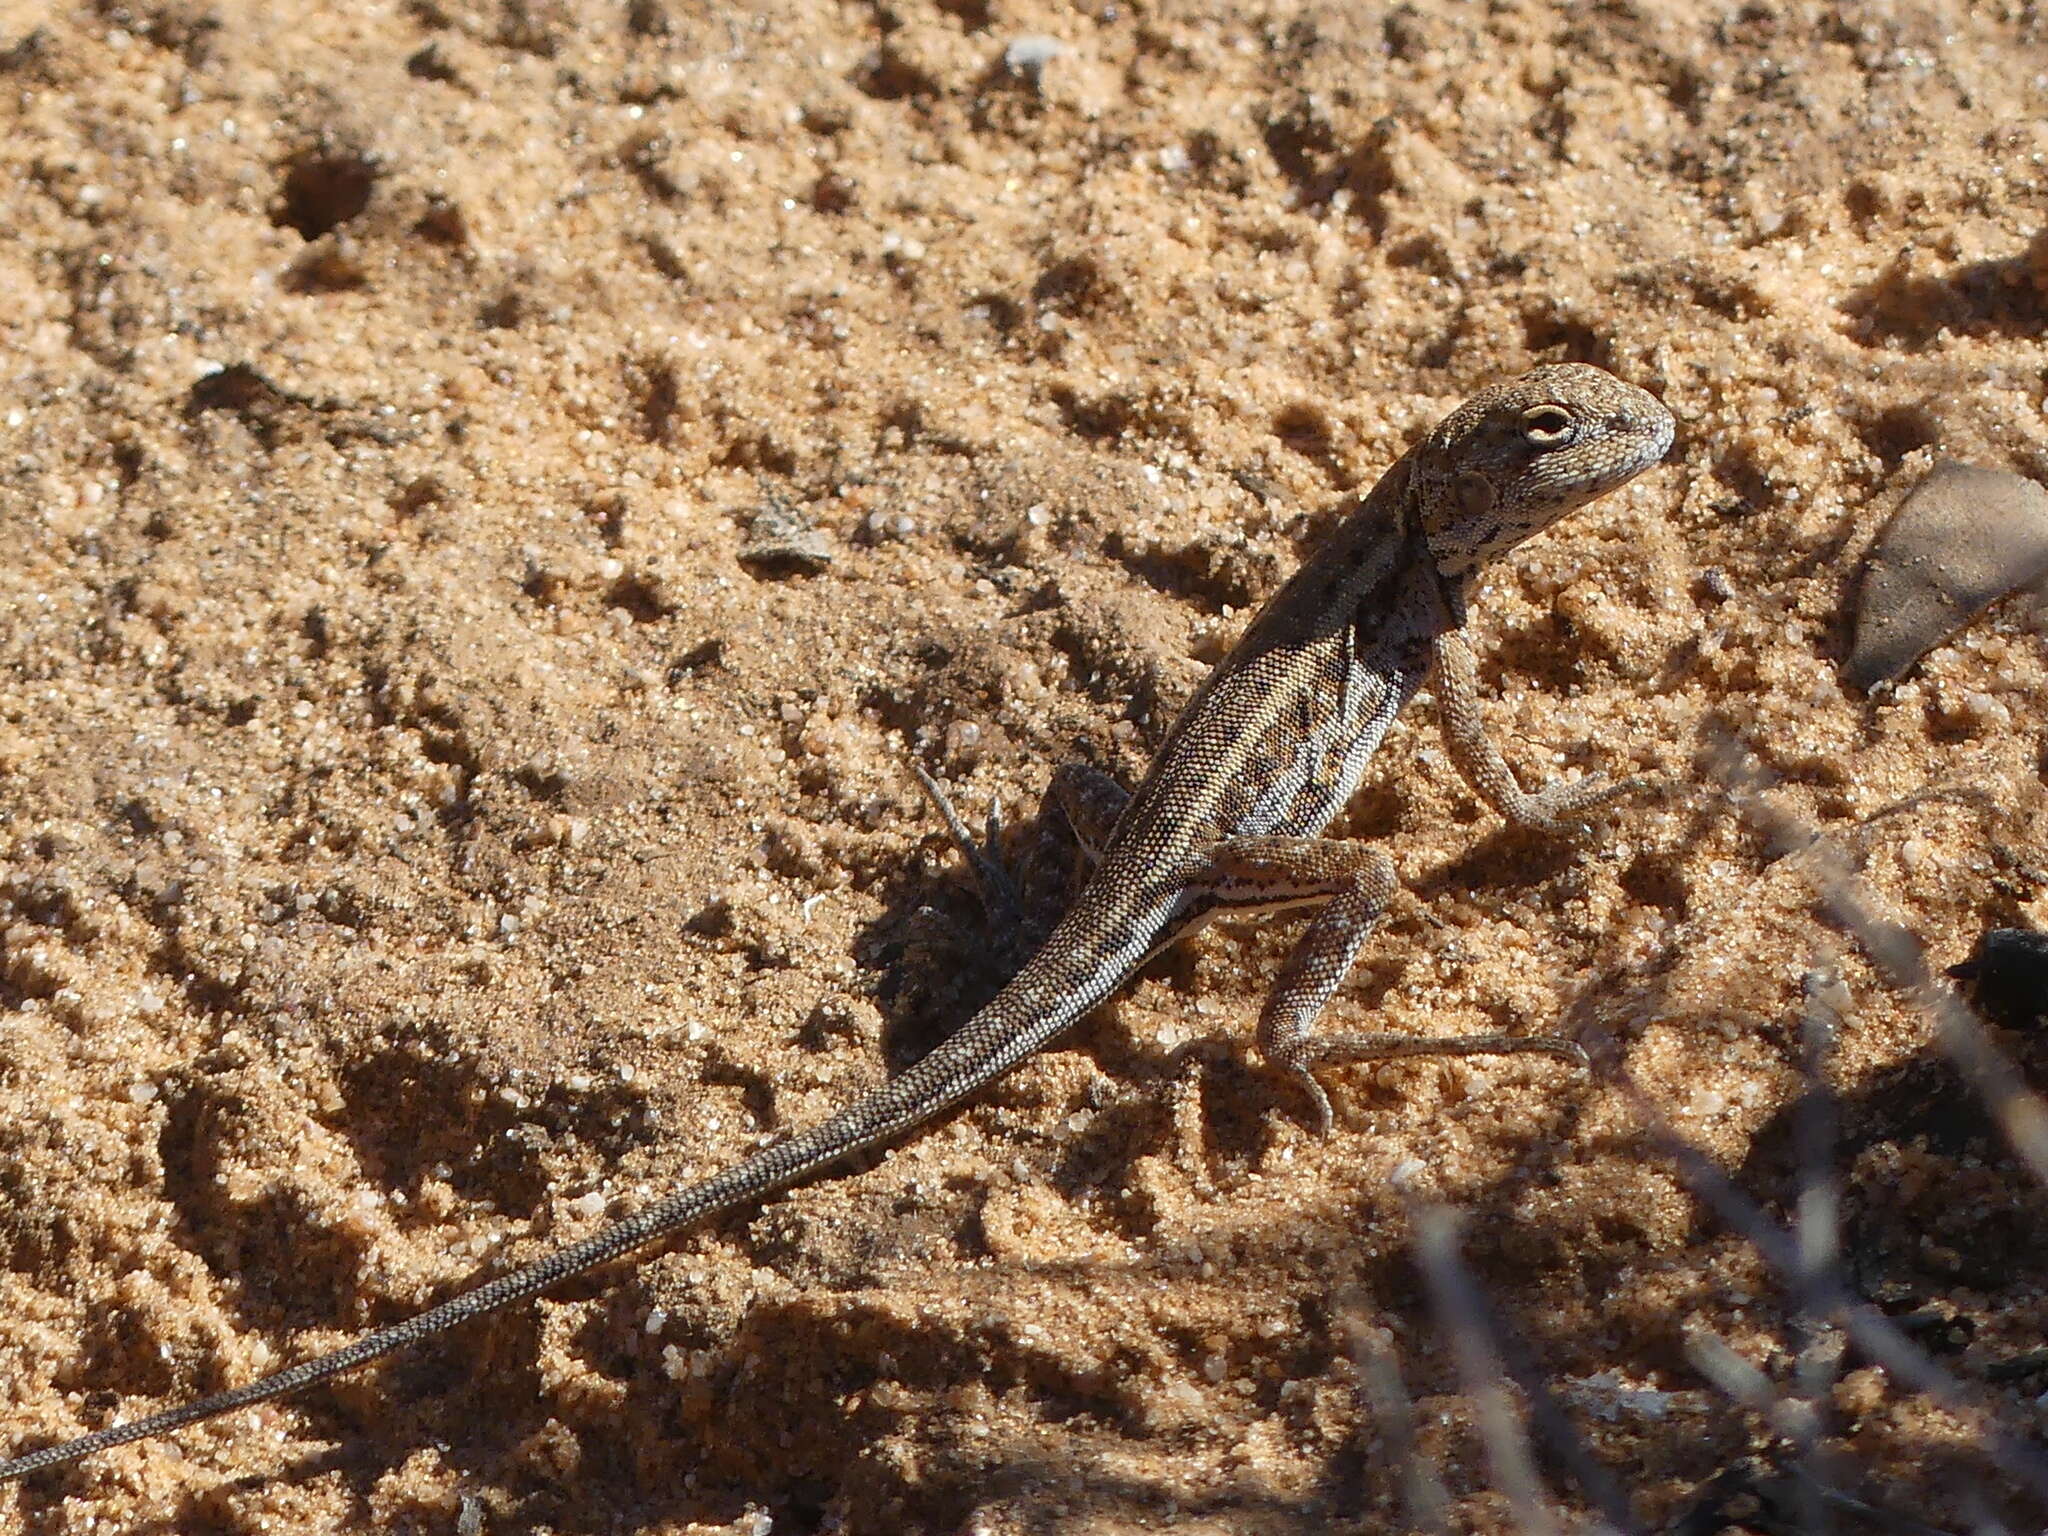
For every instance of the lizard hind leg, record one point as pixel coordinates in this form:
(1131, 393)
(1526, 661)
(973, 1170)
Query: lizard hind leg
(1092, 801)
(999, 897)
(1353, 882)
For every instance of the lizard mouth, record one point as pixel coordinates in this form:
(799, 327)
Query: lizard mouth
(1643, 431)
(1647, 422)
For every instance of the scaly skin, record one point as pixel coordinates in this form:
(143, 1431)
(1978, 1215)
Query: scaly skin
(1229, 819)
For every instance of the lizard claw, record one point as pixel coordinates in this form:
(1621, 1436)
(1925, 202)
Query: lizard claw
(1333, 1049)
(1326, 1116)
(1560, 808)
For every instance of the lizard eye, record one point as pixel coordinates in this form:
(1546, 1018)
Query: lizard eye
(1548, 426)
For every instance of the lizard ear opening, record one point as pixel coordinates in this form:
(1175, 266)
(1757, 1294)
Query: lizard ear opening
(1475, 494)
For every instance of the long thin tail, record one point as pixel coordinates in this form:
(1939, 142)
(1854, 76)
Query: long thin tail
(1062, 983)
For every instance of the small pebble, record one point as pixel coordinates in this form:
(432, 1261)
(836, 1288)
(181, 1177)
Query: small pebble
(782, 540)
(1028, 55)
(1986, 712)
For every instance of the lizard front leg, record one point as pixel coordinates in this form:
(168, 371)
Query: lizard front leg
(1353, 882)
(1553, 808)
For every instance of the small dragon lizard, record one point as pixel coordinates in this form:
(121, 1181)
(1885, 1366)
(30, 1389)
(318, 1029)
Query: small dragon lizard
(1229, 820)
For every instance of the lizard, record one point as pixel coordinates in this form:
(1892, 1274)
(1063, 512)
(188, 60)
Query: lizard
(1229, 820)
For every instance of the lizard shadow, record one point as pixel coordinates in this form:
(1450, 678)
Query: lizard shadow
(788, 1403)
(747, 1409)
(941, 947)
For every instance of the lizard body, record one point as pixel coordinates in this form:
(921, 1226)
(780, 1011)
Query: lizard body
(1229, 819)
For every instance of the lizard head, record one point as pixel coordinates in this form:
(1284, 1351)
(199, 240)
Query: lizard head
(1517, 456)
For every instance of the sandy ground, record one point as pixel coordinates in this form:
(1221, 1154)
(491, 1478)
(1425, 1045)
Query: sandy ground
(496, 496)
